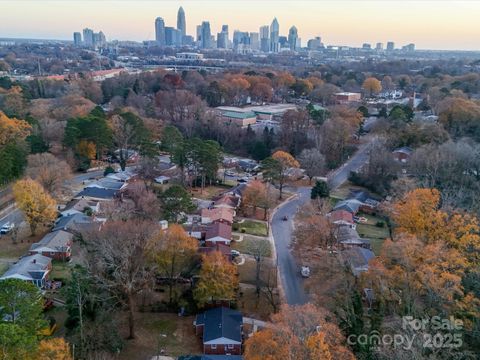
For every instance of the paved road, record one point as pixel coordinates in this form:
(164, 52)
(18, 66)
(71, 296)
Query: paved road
(292, 281)
(14, 215)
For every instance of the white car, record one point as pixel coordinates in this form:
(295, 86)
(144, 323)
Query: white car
(7, 227)
(305, 271)
(235, 253)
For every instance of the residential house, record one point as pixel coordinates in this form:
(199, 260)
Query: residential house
(97, 194)
(75, 223)
(227, 201)
(348, 237)
(218, 233)
(106, 183)
(56, 245)
(357, 258)
(123, 176)
(350, 205)
(33, 268)
(221, 214)
(225, 250)
(78, 206)
(221, 331)
(342, 217)
(402, 154)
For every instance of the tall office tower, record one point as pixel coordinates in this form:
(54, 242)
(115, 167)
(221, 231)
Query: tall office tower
(409, 48)
(199, 33)
(274, 36)
(181, 24)
(379, 46)
(366, 46)
(205, 42)
(293, 38)
(88, 37)
(314, 44)
(99, 39)
(255, 41)
(264, 38)
(77, 39)
(222, 38)
(390, 46)
(172, 36)
(160, 31)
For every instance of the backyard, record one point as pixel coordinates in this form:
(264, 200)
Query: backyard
(370, 230)
(252, 227)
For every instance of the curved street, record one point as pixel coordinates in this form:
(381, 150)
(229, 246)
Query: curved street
(288, 269)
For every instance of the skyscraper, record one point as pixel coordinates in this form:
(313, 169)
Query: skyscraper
(206, 35)
(293, 38)
(88, 37)
(181, 24)
(160, 31)
(264, 38)
(77, 39)
(172, 36)
(222, 38)
(254, 41)
(274, 36)
(379, 46)
(315, 44)
(390, 46)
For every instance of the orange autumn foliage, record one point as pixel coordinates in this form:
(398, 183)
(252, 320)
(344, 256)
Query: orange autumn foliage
(12, 129)
(54, 349)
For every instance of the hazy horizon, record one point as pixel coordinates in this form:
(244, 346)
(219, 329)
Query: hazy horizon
(435, 25)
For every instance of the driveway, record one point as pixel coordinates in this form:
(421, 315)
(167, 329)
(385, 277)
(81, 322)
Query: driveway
(289, 270)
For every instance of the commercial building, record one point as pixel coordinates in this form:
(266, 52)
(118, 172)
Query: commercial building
(264, 38)
(315, 44)
(77, 39)
(390, 46)
(346, 97)
(88, 37)
(160, 31)
(274, 36)
(173, 37)
(181, 23)
(293, 38)
(206, 36)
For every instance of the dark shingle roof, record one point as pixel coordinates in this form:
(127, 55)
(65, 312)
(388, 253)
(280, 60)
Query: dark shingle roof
(221, 322)
(72, 222)
(97, 193)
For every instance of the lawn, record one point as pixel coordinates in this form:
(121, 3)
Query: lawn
(246, 246)
(208, 192)
(60, 271)
(258, 228)
(247, 272)
(375, 233)
(3, 268)
(179, 339)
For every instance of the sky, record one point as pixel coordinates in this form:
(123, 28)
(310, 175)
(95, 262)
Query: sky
(440, 24)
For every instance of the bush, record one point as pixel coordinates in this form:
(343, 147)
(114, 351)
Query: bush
(108, 170)
(380, 224)
(242, 230)
(235, 227)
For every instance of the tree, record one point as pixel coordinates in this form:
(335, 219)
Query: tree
(86, 149)
(275, 168)
(320, 190)
(298, 332)
(48, 171)
(54, 349)
(313, 230)
(22, 303)
(174, 143)
(37, 205)
(173, 251)
(257, 195)
(12, 129)
(313, 162)
(294, 129)
(176, 201)
(129, 132)
(372, 85)
(218, 279)
(460, 117)
(146, 203)
(118, 261)
(16, 343)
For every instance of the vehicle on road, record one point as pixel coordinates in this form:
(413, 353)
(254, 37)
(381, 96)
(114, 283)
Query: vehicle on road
(285, 218)
(305, 271)
(7, 227)
(360, 219)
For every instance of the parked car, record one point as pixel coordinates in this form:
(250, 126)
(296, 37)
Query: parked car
(305, 271)
(7, 227)
(285, 218)
(235, 253)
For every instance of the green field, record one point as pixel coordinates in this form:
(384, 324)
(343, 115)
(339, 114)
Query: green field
(374, 233)
(258, 228)
(247, 245)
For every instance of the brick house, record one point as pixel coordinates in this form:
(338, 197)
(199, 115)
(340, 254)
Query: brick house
(221, 331)
(218, 233)
(56, 245)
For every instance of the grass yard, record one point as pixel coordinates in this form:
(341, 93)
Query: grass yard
(3, 268)
(258, 228)
(253, 306)
(248, 243)
(180, 336)
(60, 271)
(208, 192)
(374, 233)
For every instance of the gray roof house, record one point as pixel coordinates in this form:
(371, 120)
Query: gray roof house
(95, 193)
(55, 245)
(350, 205)
(222, 331)
(73, 223)
(33, 268)
(78, 206)
(357, 258)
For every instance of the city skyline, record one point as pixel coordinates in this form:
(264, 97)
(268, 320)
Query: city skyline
(427, 26)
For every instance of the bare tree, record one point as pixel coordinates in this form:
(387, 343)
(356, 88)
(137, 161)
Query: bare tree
(313, 162)
(118, 262)
(49, 171)
(146, 203)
